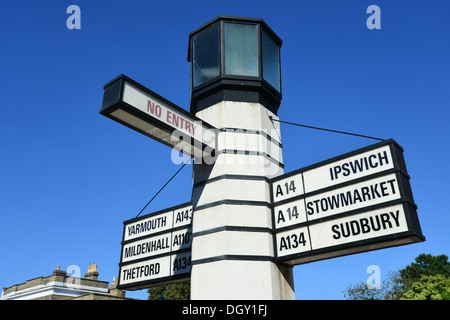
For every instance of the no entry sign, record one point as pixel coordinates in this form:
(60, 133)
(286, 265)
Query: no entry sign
(135, 106)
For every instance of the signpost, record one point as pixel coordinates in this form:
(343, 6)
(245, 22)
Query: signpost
(139, 108)
(156, 248)
(356, 202)
(251, 227)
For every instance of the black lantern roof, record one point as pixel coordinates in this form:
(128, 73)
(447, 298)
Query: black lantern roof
(234, 59)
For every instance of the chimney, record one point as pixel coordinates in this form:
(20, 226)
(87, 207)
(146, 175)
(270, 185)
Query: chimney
(92, 273)
(114, 291)
(60, 274)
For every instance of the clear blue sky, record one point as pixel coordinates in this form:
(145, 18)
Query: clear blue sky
(69, 177)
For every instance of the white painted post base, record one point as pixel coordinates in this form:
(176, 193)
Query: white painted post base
(232, 246)
(241, 280)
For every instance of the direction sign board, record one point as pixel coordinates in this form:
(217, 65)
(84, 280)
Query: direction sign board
(356, 202)
(156, 248)
(137, 107)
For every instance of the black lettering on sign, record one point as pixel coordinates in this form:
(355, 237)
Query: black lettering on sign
(145, 226)
(291, 212)
(292, 241)
(343, 199)
(279, 192)
(180, 239)
(181, 263)
(183, 215)
(142, 271)
(280, 216)
(359, 165)
(375, 223)
(288, 187)
(146, 247)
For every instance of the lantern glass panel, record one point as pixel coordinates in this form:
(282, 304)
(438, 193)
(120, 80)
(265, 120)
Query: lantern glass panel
(241, 49)
(271, 61)
(206, 55)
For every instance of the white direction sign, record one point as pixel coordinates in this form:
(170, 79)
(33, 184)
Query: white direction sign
(137, 107)
(357, 202)
(157, 271)
(336, 171)
(156, 248)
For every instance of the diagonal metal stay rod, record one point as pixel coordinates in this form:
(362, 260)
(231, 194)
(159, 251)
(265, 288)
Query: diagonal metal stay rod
(163, 187)
(330, 130)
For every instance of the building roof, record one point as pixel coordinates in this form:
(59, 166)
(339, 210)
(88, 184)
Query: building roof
(59, 286)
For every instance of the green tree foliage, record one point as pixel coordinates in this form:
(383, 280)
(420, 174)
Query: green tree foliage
(177, 291)
(157, 293)
(426, 278)
(390, 289)
(429, 288)
(426, 265)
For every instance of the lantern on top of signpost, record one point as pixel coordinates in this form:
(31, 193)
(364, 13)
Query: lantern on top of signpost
(234, 59)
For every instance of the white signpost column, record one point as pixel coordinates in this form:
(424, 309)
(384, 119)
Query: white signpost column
(232, 246)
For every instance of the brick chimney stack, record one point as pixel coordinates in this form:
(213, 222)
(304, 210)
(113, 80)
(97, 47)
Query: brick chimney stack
(92, 273)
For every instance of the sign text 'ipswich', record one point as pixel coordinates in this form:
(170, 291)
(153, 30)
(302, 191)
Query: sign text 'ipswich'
(356, 202)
